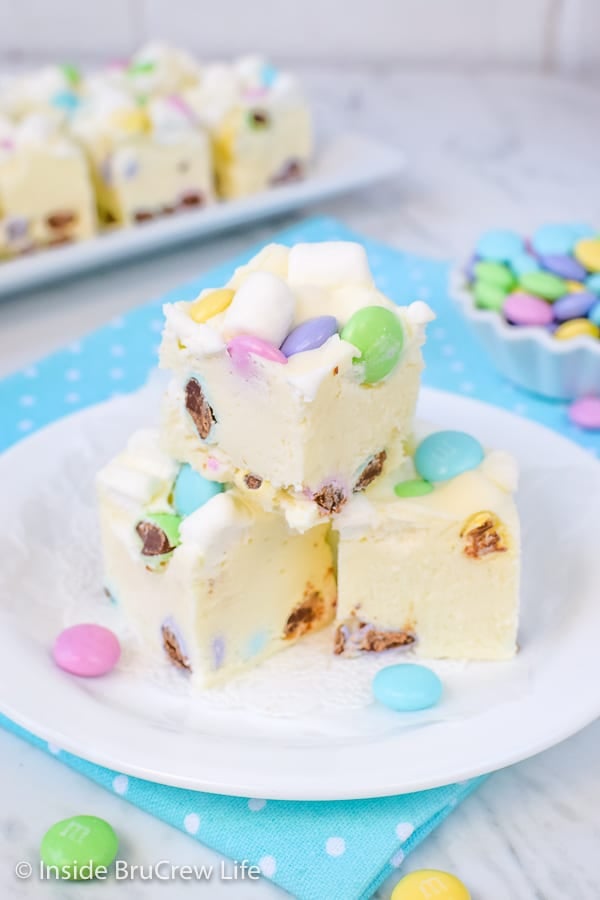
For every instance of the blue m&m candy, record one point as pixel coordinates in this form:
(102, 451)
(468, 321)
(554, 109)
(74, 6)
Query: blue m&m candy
(407, 687)
(446, 454)
(499, 245)
(559, 239)
(192, 490)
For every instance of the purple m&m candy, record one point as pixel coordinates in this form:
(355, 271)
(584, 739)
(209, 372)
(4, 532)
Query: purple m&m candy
(87, 650)
(243, 347)
(585, 412)
(573, 306)
(309, 335)
(525, 309)
(563, 266)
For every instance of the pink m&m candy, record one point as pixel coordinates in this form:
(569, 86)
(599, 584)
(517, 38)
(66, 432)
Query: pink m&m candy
(585, 412)
(245, 346)
(525, 309)
(87, 650)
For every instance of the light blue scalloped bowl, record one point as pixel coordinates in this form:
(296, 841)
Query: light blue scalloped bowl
(530, 356)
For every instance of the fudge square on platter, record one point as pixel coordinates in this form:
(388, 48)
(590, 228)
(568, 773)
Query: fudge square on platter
(46, 194)
(146, 162)
(298, 373)
(204, 577)
(259, 121)
(429, 555)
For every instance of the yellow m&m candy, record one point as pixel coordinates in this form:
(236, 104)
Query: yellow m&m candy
(576, 327)
(132, 121)
(430, 884)
(575, 287)
(211, 305)
(587, 252)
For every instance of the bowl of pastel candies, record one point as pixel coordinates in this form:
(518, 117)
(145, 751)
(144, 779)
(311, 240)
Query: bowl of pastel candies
(534, 302)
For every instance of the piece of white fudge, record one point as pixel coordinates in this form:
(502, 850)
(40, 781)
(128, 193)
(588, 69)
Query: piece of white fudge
(202, 575)
(260, 123)
(299, 373)
(147, 161)
(46, 195)
(434, 564)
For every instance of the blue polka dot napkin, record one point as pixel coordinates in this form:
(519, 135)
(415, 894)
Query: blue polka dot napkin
(316, 851)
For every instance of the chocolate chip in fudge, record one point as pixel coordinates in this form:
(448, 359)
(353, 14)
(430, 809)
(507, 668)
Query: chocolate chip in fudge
(199, 408)
(330, 498)
(173, 648)
(191, 198)
(252, 482)
(259, 119)
(154, 540)
(143, 215)
(363, 636)
(482, 536)
(59, 240)
(61, 219)
(306, 614)
(371, 471)
(291, 171)
(168, 211)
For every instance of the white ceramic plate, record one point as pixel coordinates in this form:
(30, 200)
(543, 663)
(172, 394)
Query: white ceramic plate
(306, 729)
(342, 164)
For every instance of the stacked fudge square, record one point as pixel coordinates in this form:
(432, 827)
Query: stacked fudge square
(284, 494)
(159, 134)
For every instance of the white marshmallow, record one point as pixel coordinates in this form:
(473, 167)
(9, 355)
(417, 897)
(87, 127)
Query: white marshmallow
(264, 307)
(329, 263)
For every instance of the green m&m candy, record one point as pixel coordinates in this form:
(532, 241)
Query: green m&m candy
(378, 333)
(496, 274)
(415, 487)
(489, 296)
(159, 533)
(79, 847)
(544, 284)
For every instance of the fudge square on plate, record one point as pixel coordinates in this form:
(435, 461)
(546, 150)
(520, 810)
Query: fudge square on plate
(202, 575)
(430, 554)
(298, 373)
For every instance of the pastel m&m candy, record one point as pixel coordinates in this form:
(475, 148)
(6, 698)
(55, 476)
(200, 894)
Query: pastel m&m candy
(525, 309)
(593, 284)
(414, 487)
(87, 650)
(576, 328)
(445, 454)
(524, 262)
(494, 273)
(159, 533)
(558, 238)
(543, 284)
(563, 266)
(309, 335)
(407, 687)
(594, 314)
(488, 296)
(585, 413)
(430, 884)
(499, 245)
(587, 251)
(192, 490)
(243, 347)
(573, 306)
(79, 847)
(379, 335)
(211, 305)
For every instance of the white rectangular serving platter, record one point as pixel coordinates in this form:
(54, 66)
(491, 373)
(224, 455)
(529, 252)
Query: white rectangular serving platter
(343, 163)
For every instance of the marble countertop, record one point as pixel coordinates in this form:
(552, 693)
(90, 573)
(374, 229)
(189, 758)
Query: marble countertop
(483, 149)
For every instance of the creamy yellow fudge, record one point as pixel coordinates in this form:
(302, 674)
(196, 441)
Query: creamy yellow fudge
(433, 564)
(46, 195)
(260, 124)
(207, 580)
(147, 161)
(298, 376)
